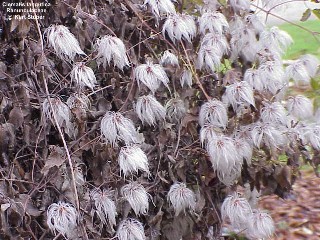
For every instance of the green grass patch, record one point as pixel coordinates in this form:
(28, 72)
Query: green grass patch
(304, 42)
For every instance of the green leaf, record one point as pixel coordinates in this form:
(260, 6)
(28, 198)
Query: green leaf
(316, 102)
(306, 15)
(315, 84)
(316, 12)
(223, 2)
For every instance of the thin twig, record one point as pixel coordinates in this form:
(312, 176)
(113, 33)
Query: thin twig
(292, 23)
(194, 73)
(54, 116)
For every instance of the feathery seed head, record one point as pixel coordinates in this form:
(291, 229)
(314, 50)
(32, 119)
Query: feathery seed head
(223, 155)
(208, 133)
(62, 217)
(312, 135)
(160, 7)
(209, 58)
(274, 113)
(252, 77)
(260, 226)
(132, 159)
(272, 75)
(168, 58)
(175, 109)
(217, 42)
(186, 78)
(298, 72)
(181, 198)
(109, 49)
(240, 5)
(244, 149)
(149, 110)
(63, 42)
(268, 134)
(213, 22)
(255, 21)
(236, 210)
(115, 127)
(62, 113)
(311, 63)
(243, 38)
(104, 206)
(213, 112)
(151, 75)
(300, 107)
(275, 38)
(83, 76)
(238, 95)
(137, 197)
(179, 26)
(130, 229)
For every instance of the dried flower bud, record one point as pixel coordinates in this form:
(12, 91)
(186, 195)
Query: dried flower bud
(149, 110)
(62, 217)
(104, 206)
(181, 198)
(111, 49)
(132, 159)
(168, 58)
(130, 229)
(260, 226)
(179, 26)
(151, 75)
(175, 109)
(115, 127)
(237, 210)
(137, 197)
(78, 175)
(83, 76)
(213, 112)
(63, 42)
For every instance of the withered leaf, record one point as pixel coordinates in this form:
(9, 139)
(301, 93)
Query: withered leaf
(56, 159)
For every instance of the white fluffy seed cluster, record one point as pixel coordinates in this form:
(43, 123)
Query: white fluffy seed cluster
(64, 43)
(279, 120)
(62, 218)
(254, 223)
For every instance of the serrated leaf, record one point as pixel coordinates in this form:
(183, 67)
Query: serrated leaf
(306, 15)
(316, 12)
